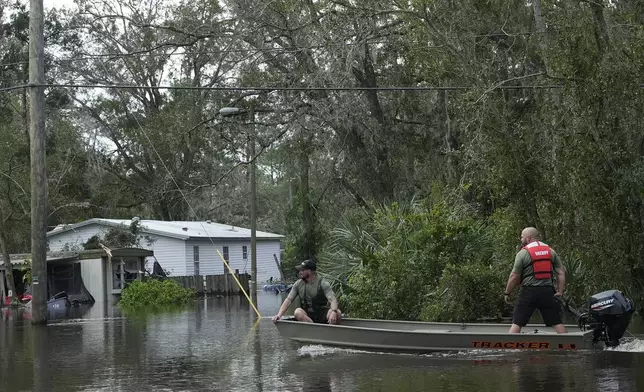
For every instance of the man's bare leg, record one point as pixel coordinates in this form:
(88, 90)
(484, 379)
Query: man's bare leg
(560, 328)
(515, 328)
(300, 315)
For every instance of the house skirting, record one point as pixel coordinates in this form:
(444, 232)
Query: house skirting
(214, 285)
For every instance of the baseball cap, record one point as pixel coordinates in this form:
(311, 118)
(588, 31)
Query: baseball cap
(307, 264)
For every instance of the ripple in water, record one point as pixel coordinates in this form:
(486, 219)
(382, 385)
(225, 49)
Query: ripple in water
(82, 320)
(317, 350)
(632, 345)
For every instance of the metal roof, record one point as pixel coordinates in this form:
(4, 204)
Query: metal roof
(176, 229)
(18, 259)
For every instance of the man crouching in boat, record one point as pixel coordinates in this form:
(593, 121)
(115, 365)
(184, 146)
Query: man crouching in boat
(534, 268)
(315, 293)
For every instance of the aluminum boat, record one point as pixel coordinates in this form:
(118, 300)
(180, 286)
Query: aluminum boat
(603, 325)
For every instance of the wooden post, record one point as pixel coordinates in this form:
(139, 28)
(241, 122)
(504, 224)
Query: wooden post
(234, 288)
(279, 268)
(221, 284)
(139, 275)
(38, 165)
(2, 294)
(122, 264)
(253, 210)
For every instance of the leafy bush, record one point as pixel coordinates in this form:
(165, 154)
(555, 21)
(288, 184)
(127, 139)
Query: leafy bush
(465, 293)
(155, 293)
(395, 263)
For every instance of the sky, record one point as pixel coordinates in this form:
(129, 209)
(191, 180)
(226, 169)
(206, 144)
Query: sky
(49, 4)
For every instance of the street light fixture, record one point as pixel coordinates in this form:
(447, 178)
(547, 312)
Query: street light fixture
(232, 111)
(229, 111)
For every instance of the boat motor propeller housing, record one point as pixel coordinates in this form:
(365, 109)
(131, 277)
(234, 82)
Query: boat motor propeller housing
(608, 315)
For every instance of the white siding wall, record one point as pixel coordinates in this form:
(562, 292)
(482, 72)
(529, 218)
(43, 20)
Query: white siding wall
(210, 263)
(267, 267)
(170, 252)
(92, 272)
(73, 239)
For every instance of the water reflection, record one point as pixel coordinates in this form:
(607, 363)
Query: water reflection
(542, 372)
(42, 376)
(257, 353)
(317, 383)
(217, 345)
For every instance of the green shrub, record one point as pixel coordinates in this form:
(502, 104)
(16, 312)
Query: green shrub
(393, 264)
(465, 293)
(155, 293)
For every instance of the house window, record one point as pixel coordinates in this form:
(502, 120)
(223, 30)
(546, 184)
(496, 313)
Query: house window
(195, 258)
(227, 258)
(245, 252)
(124, 271)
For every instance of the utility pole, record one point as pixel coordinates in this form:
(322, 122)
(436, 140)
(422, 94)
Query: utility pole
(38, 167)
(233, 111)
(253, 209)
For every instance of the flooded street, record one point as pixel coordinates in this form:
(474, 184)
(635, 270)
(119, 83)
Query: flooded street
(217, 346)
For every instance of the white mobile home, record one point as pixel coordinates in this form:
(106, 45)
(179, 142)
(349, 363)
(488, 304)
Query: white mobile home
(184, 248)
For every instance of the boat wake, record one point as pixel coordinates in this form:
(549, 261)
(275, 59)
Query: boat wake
(317, 350)
(82, 320)
(628, 345)
(312, 351)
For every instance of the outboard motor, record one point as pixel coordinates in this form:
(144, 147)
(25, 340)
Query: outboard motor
(609, 314)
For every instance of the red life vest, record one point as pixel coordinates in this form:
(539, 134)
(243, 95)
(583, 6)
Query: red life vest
(541, 256)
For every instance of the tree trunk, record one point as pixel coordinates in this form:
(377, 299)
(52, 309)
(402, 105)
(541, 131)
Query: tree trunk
(601, 28)
(383, 177)
(452, 141)
(308, 218)
(541, 29)
(7, 262)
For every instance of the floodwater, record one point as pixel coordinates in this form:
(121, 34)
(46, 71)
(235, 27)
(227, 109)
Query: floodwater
(216, 345)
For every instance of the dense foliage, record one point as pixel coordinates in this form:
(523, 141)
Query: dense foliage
(408, 196)
(426, 260)
(151, 293)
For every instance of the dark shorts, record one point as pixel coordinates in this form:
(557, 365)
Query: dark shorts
(318, 317)
(537, 297)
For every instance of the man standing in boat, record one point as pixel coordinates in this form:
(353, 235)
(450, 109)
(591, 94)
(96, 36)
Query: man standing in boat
(535, 266)
(315, 294)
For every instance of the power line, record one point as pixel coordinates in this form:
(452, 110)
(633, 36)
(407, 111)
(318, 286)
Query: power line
(278, 88)
(15, 63)
(151, 53)
(302, 88)
(11, 88)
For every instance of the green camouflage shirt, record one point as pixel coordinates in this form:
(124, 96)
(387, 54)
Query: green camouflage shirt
(307, 291)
